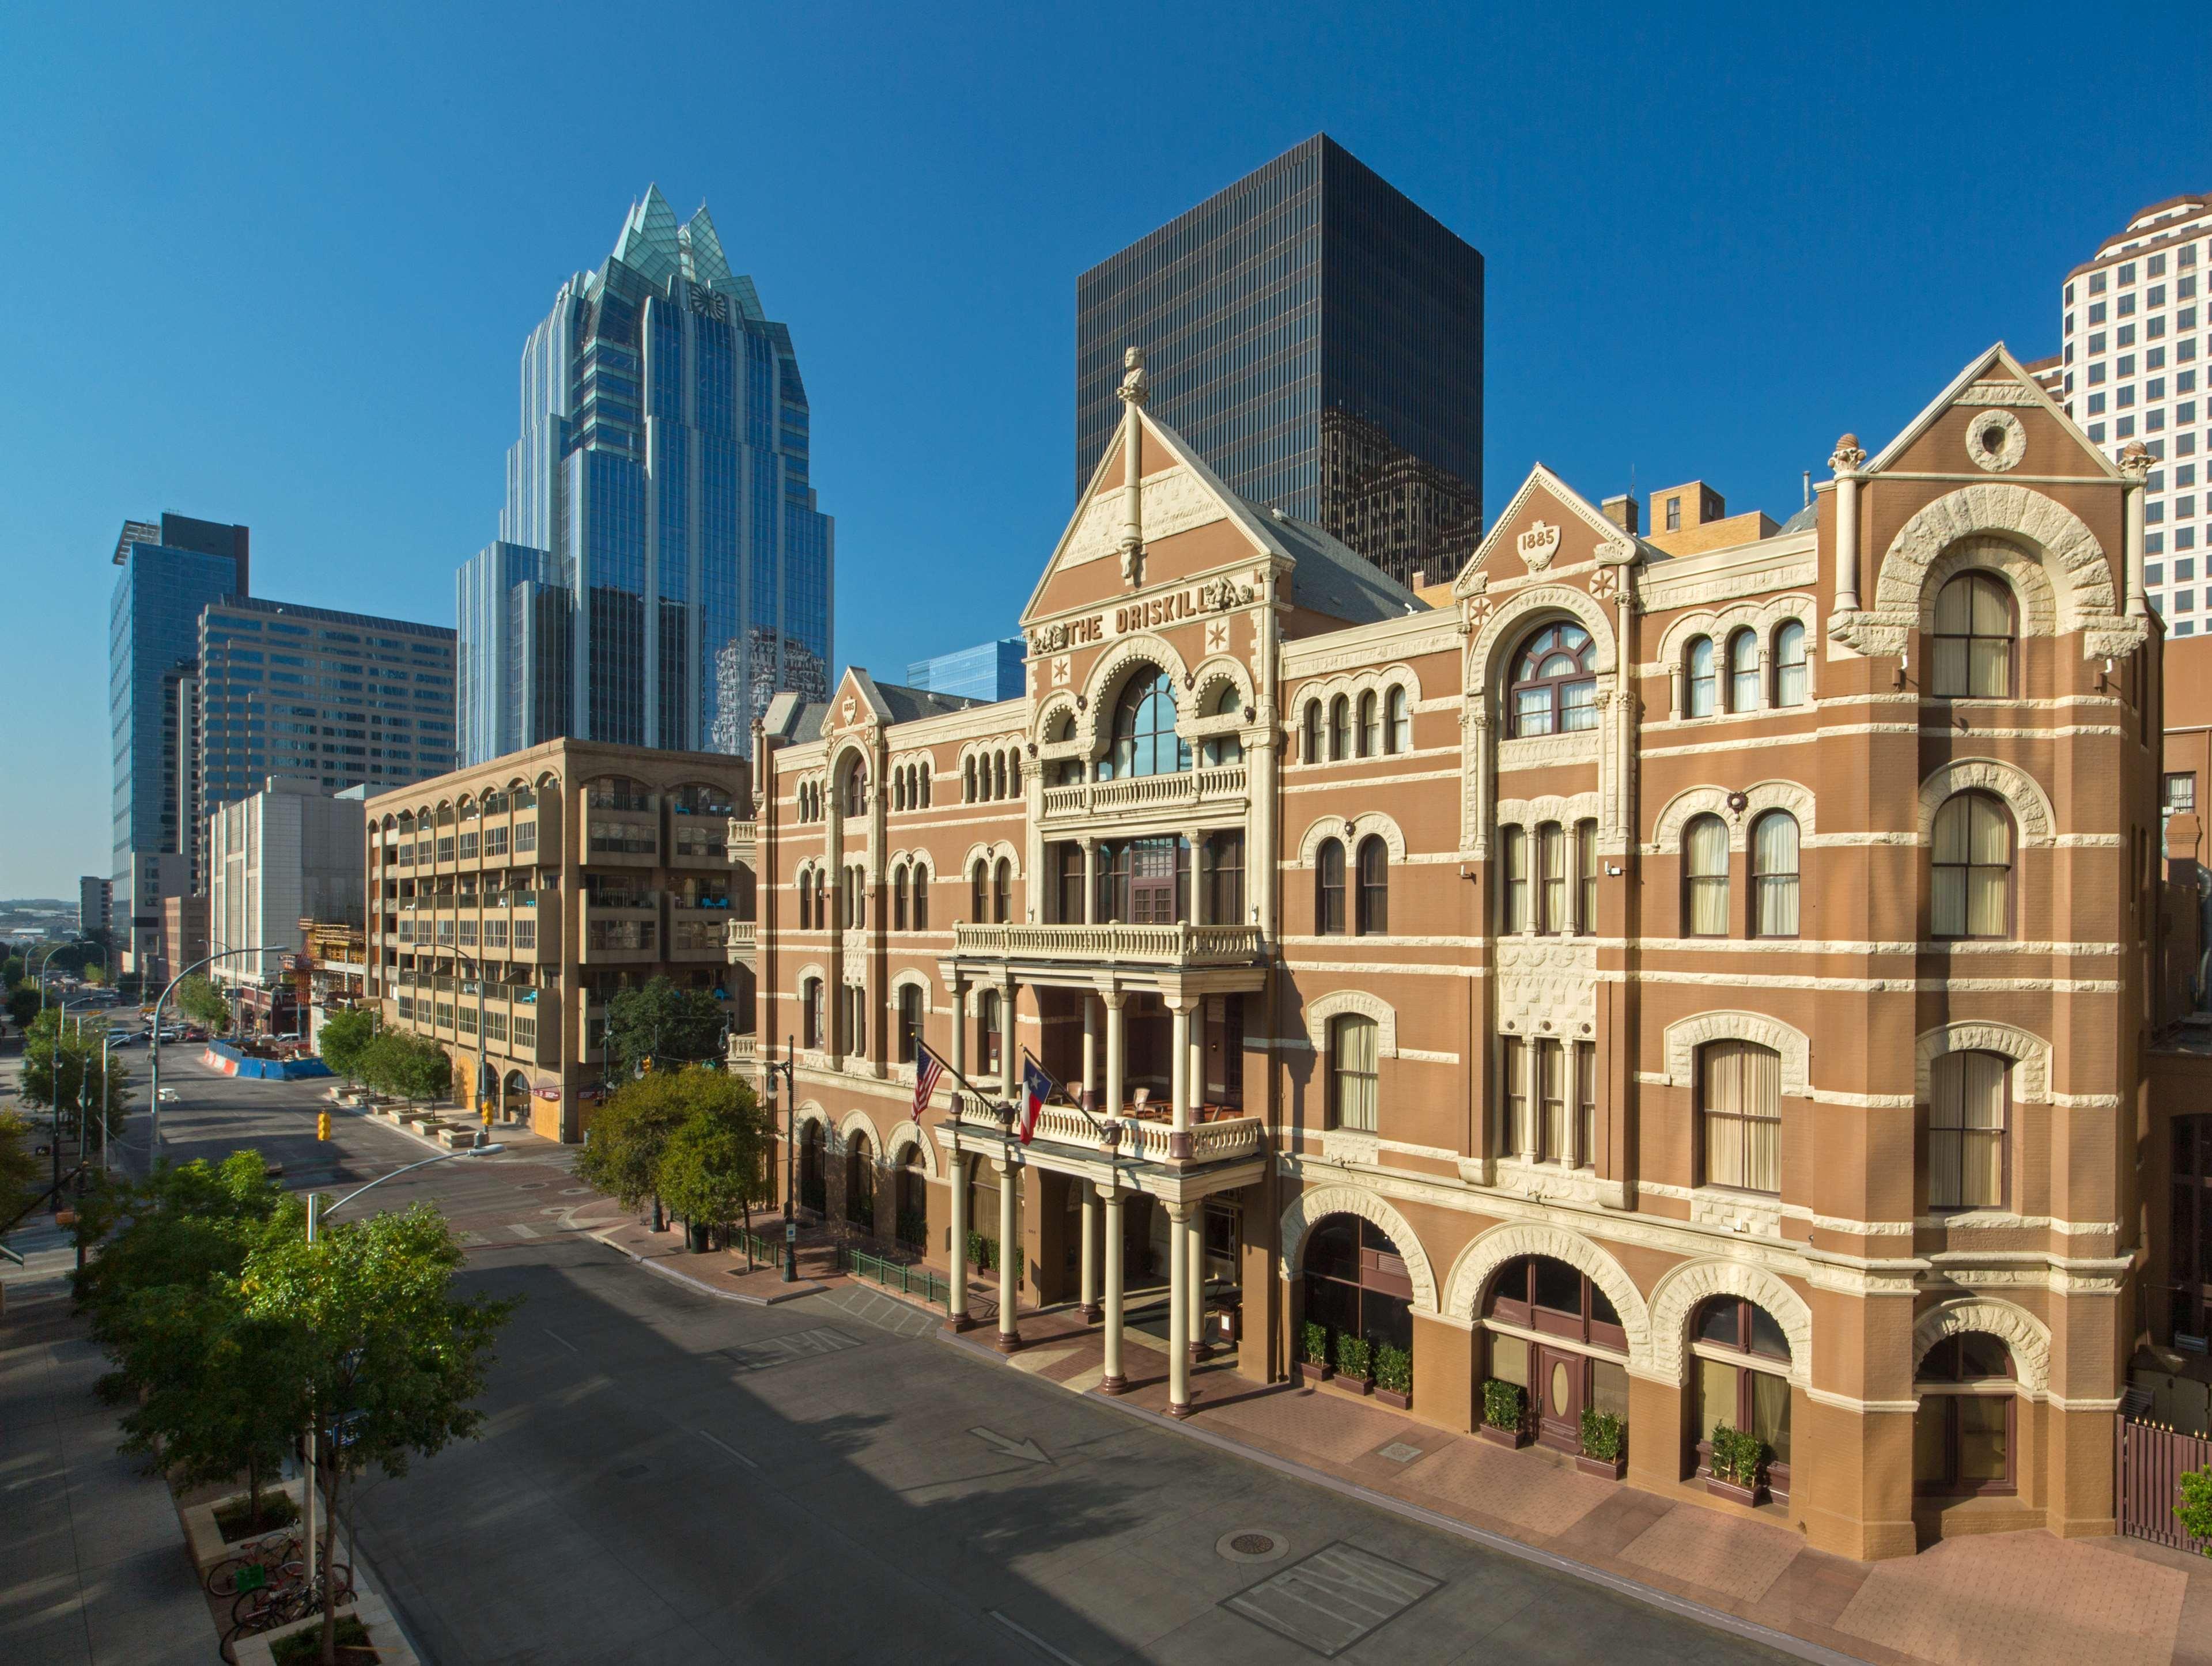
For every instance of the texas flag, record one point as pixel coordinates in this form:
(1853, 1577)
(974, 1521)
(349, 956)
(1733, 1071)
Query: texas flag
(1036, 1088)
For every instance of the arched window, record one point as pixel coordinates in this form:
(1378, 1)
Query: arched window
(1356, 1283)
(1353, 1065)
(1513, 895)
(805, 901)
(1554, 684)
(979, 886)
(1370, 726)
(1705, 877)
(1329, 888)
(1313, 740)
(852, 1021)
(813, 1169)
(1374, 917)
(1743, 671)
(1969, 1098)
(1014, 774)
(1558, 1368)
(898, 790)
(810, 1013)
(998, 775)
(860, 1182)
(1340, 728)
(968, 780)
(1398, 722)
(1699, 692)
(1963, 1433)
(1741, 1379)
(989, 1032)
(1225, 748)
(1144, 739)
(820, 899)
(1974, 629)
(1551, 878)
(920, 897)
(1972, 892)
(1586, 878)
(898, 897)
(926, 771)
(912, 1199)
(1002, 892)
(1774, 875)
(911, 1012)
(1739, 1115)
(1790, 663)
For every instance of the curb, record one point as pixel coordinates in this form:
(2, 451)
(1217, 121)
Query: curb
(1716, 1619)
(746, 1298)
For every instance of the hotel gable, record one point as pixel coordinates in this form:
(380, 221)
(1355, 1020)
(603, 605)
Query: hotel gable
(1692, 974)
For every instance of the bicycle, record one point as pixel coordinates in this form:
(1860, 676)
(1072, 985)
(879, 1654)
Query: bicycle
(255, 1564)
(280, 1605)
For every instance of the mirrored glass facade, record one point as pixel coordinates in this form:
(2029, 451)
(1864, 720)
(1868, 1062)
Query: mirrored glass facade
(662, 568)
(1318, 337)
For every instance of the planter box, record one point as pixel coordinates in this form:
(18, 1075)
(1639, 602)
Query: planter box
(1728, 1489)
(204, 1540)
(1498, 1436)
(384, 1636)
(1313, 1373)
(1612, 1468)
(1392, 1397)
(1359, 1385)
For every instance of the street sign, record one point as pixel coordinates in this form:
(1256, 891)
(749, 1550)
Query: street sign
(791, 1232)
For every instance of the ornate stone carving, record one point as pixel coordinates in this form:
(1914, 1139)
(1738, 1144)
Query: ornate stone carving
(860, 1121)
(1333, 827)
(1174, 501)
(1579, 746)
(2030, 1053)
(1849, 456)
(1998, 393)
(1798, 800)
(2032, 816)
(907, 1134)
(1349, 1147)
(1336, 1003)
(1547, 986)
(1605, 583)
(1315, 1204)
(1996, 440)
(1538, 544)
(1684, 1036)
(1551, 807)
(2039, 601)
(2135, 462)
(1682, 1289)
(2027, 1336)
(1471, 1275)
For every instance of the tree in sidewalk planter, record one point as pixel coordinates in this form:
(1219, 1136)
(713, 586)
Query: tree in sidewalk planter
(671, 1026)
(712, 1164)
(63, 1068)
(24, 1005)
(629, 1136)
(407, 1067)
(199, 1000)
(390, 1360)
(20, 1171)
(344, 1042)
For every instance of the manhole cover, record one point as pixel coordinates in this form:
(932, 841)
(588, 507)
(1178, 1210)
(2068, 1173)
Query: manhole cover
(1252, 1544)
(1398, 1452)
(575, 1191)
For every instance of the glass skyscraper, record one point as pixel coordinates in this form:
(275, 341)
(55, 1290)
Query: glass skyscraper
(661, 568)
(1318, 337)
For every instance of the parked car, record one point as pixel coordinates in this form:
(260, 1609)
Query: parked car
(194, 1032)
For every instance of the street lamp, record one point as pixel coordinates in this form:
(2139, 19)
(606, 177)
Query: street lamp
(771, 1070)
(55, 1148)
(482, 1061)
(153, 1035)
(52, 949)
(315, 1212)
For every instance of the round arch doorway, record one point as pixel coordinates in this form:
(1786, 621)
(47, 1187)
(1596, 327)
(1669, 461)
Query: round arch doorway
(515, 1098)
(860, 1182)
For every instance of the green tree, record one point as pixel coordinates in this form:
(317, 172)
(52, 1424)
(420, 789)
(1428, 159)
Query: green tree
(2194, 1509)
(18, 1169)
(199, 1000)
(661, 1022)
(711, 1166)
(390, 1360)
(23, 1004)
(345, 1040)
(63, 1070)
(628, 1136)
(407, 1066)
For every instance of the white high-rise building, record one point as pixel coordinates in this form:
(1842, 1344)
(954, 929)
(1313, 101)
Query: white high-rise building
(2133, 325)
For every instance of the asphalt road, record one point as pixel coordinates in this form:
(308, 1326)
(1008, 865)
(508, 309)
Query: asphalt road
(664, 1476)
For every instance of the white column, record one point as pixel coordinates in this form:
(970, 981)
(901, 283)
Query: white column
(1089, 1273)
(956, 1304)
(2134, 466)
(1179, 1066)
(1010, 1068)
(1197, 843)
(1845, 461)
(1089, 881)
(1197, 1253)
(1010, 1256)
(1178, 1311)
(1089, 1049)
(1109, 1196)
(1197, 1053)
(958, 1056)
(1117, 1054)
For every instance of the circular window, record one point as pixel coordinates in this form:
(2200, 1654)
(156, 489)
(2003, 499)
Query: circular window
(1996, 440)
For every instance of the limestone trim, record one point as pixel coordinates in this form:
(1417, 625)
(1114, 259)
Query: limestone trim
(2009, 438)
(1774, 795)
(2030, 1053)
(1350, 833)
(919, 979)
(989, 853)
(1322, 691)
(2027, 1336)
(1488, 1251)
(910, 1133)
(1686, 1035)
(1762, 618)
(1549, 807)
(812, 969)
(1309, 1208)
(862, 1122)
(810, 1111)
(1497, 630)
(1337, 1002)
(2033, 819)
(2030, 585)
(1681, 1290)
(1204, 688)
(1113, 668)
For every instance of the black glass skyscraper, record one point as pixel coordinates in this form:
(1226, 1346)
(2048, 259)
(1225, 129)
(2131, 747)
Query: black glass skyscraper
(1318, 337)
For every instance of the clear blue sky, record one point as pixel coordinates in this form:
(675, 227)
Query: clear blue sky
(280, 271)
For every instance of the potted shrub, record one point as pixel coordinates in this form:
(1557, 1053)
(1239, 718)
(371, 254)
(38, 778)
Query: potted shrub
(1605, 1443)
(1734, 1469)
(1504, 1413)
(1314, 1365)
(1355, 1363)
(1394, 1376)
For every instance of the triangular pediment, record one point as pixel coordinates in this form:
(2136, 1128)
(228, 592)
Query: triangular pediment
(1943, 439)
(857, 703)
(1547, 525)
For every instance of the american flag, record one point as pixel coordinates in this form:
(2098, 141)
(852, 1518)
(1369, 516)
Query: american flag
(927, 1069)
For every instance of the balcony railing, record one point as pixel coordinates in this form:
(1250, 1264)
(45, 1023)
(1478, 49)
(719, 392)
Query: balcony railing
(1224, 1140)
(740, 937)
(1189, 789)
(1128, 945)
(743, 836)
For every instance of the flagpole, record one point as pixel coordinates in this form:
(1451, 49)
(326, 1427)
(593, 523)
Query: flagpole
(1097, 1127)
(945, 1064)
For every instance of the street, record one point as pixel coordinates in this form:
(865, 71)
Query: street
(665, 1475)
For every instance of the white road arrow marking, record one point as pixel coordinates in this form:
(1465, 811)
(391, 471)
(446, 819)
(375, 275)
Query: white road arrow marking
(1028, 1451)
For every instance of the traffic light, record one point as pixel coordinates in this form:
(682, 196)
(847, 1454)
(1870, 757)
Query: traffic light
(322, 1125)
(645, 1065)
(487, 1113)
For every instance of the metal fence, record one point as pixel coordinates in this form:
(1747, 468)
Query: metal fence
(895, 1275)
(2148, 1461)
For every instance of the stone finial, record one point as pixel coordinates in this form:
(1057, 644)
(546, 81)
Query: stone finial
(1135, 388)
(1848, 455)
(2135, 462)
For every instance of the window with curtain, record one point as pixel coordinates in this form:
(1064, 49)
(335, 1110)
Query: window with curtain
(1553, 686)
(1340, 728)
(1552, 1101)
(1705, 877)
(1743, 671)
(1374, 917)
(1513, 862)
(1313, 752)
(1353, 1049)
(978, 886)
(1968, 1096)
(1586, 878)
(988, 1032)
(911, 1012)
(1224, 878)
(1741, 1379)
(1329, 888)
(1790, 663)
(898, 897)
(1067, 892)
(1774, 874)
(1972, 869)
(1963, 1433)
(1740, 1112)
(1225, 748)
(921, 898)
(810, 1013)
(1002, 892)
(856, 789)
(1698, 689)
(1551, 878)
(1398, 723)
(1370, 726)
(1585, 1105)
(1145, 739)
(805, 901)
(1513, 1125)
(1973, 638)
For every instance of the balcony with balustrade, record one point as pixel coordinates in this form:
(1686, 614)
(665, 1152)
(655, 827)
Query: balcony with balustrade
(1218, 957)
(1216, 792)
